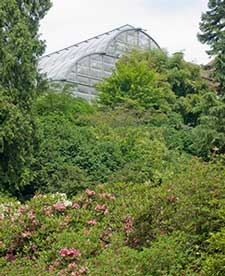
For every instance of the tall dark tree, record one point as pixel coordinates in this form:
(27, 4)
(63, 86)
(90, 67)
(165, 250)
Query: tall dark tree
(212, 28)
(20, 47)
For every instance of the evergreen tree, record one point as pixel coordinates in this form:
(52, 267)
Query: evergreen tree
(212, 27)
(20, 47)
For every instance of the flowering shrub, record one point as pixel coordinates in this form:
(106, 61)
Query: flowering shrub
(120, 229)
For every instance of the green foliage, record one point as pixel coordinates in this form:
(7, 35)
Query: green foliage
(176, 228)
(196, 112)
(16, 139)
(78, 150)
(153, 209)
(134, 84)
(212, 27)
(20, 48)
(155, 81)
(209, 135)
(214, 263)
(61, 103)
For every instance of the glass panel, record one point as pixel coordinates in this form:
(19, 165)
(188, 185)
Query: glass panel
(82, 79)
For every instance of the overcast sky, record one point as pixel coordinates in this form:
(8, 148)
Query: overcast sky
(174, 24)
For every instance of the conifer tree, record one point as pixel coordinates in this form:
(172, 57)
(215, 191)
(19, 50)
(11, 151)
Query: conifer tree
(212, 28)
(20, 47)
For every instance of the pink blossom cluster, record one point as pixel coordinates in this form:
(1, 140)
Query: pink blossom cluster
(102, 208)
(34, 222)
(59, 206)
(26, 234)
(81, 271)
(48, 211)
(128, 225)
(22, 209)
(31, 214)
(90, 192)
(10, 257)
(107, 196)
(92, 222)
(69, 252)
(87, 232)
(66, 221)
(72, 265)
(76, 206)
(54, 265)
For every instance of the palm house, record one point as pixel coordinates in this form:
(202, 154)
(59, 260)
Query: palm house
(84, 64)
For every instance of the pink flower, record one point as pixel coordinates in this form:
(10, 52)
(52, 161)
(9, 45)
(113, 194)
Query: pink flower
(59, 206)
(72, 265)
(31, 214)
(100, 207)
(26, 234)
(48, 211)
(34, 223)
(56, 264)
(87, 232)
(128, 225)
(76, 206)
(69, 252)
(34, 247)
(85, 206)
(10, 257)
(51, 267)
(61, 272)
(92, 222)
(83, 270)
(90, 192)
(22, 209)
(107, 196)
(13, 219)
(63, 252)
(106, 212)
(63, 223)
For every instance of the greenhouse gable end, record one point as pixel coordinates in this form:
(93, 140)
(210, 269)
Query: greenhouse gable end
(86, 63)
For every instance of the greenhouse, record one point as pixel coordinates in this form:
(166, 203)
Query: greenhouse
(84, 64)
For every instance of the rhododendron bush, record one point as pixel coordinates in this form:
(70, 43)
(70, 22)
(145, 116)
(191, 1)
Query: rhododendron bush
(120, 229)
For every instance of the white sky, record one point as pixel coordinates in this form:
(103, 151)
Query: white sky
(174, 24)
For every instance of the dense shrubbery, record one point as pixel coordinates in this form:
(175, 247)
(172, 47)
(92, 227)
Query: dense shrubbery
(118, 190)
(127, 137)
(121, 229)
(78, 150)
(135, 132)
(131, 185)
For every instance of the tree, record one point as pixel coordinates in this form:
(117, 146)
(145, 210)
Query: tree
(138, 84)
(157, 82)
(212, 26)
(20, 47)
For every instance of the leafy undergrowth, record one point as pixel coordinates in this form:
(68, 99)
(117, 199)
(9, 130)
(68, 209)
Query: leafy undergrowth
(175, 228)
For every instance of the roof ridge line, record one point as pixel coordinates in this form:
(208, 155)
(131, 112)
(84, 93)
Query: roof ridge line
(76, 44)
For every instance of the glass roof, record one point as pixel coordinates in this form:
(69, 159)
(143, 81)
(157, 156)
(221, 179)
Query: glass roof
(58, 64)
